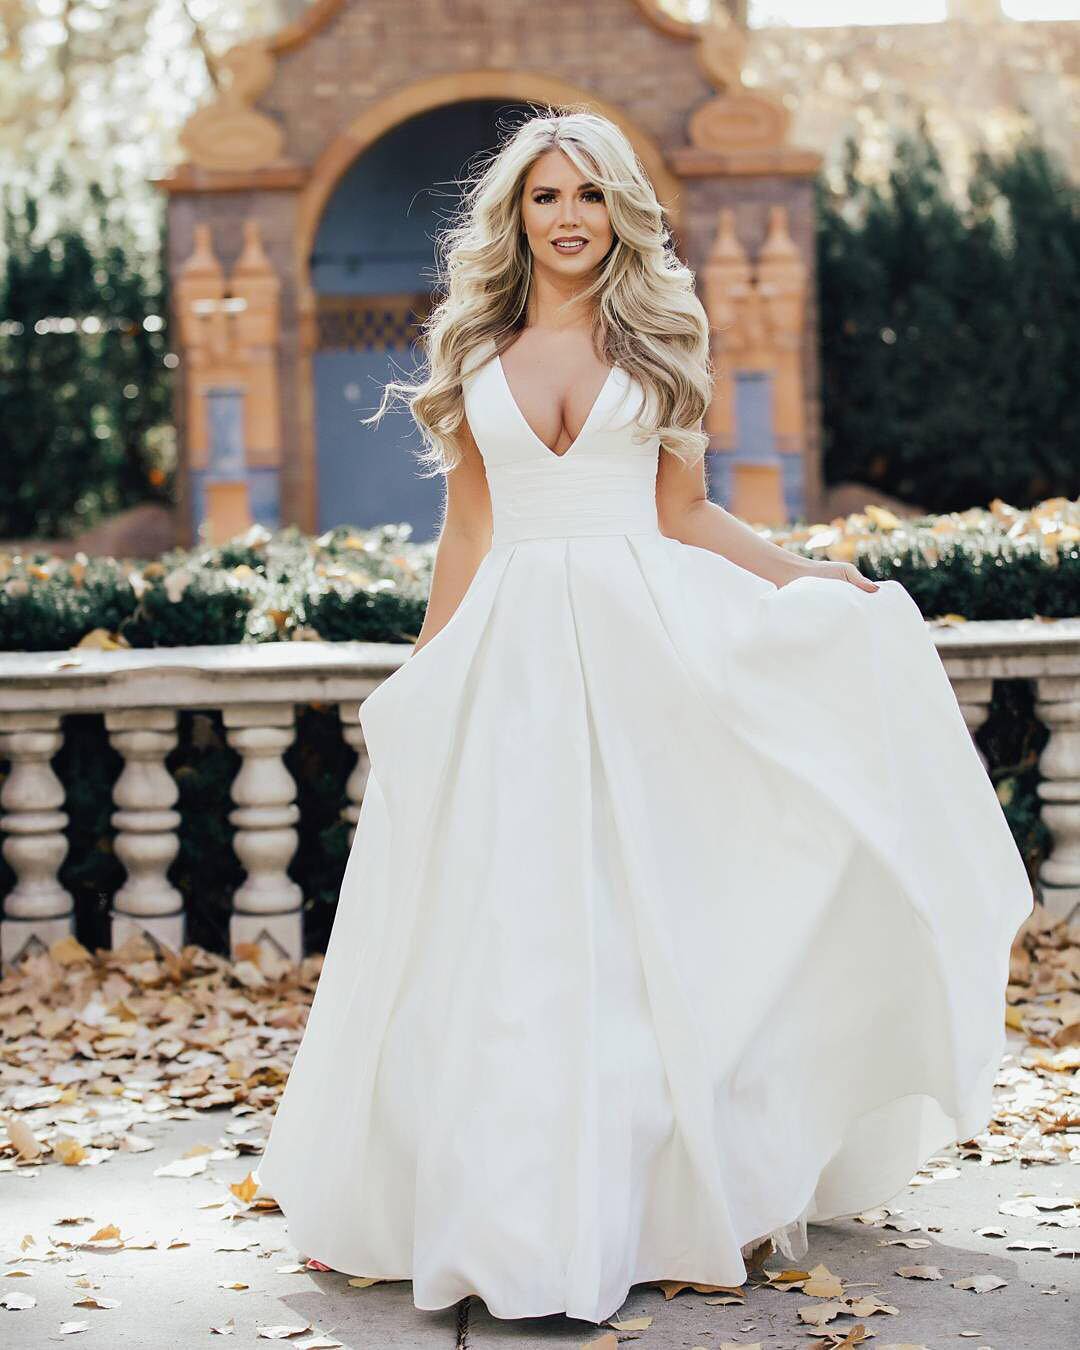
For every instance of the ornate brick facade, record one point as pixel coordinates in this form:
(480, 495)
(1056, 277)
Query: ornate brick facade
(300, 108)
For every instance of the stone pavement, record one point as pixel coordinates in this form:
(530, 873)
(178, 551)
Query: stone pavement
(172, 1296)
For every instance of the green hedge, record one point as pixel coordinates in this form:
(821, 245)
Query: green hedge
(372, 585)
(349, 584)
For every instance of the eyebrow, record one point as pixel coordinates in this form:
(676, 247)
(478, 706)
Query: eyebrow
(542, 187)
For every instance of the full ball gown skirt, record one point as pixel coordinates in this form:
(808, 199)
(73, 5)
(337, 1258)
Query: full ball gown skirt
(678, 912)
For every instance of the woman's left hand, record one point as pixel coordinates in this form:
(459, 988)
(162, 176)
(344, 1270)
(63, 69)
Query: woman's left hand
(839, 571)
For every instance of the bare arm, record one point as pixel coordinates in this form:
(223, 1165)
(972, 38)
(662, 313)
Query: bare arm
(685, 513)
(464, 539)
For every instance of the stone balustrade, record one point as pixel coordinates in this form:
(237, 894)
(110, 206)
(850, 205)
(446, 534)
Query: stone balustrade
(258, 688)
(140, 693)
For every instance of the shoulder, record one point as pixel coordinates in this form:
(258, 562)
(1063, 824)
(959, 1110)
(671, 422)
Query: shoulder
(476, 360)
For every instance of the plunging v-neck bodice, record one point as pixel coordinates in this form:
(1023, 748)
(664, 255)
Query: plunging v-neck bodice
(603, 483)
(556, 454)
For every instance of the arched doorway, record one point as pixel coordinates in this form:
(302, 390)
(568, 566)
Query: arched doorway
(372, 271)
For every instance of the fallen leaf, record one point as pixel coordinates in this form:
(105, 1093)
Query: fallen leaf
(632, 1324)
(672, 1287)
(979, 1284)
(823, 1284)
(1019, 1209)
(68, 1150)
(73, 1328)
(20, 1134)
(902, 1224)
(920, 1272)
(17, 1302)
(245, 1190)
(96, 1301)
(867, 1305)
(231, 1284)
(68, 951)
(817, 1314)
(183, 1167)
(282, 1331)
(226, 1328)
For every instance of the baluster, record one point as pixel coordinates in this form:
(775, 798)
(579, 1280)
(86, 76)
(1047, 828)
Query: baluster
(146, 825)
(1058, 707)
(38, 909)
(974, 695)
(268, 906)
(353, 734)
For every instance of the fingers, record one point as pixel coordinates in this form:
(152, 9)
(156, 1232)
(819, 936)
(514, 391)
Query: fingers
(863, 583)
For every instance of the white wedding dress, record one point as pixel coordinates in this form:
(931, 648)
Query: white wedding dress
(678, 913)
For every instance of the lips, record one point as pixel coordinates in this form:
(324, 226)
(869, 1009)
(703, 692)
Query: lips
(570, 243)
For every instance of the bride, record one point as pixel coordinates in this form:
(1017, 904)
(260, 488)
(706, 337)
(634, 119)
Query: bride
(680, 904)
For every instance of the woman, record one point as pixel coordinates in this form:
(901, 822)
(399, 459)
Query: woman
(680, 903)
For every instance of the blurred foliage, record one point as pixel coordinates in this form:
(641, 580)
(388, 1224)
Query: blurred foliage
(1001, 562)
(85, 398)
(359, 585)
(950, 333)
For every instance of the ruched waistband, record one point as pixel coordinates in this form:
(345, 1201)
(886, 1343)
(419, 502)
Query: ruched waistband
(593, 495)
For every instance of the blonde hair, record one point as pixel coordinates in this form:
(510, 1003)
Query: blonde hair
(647, 318)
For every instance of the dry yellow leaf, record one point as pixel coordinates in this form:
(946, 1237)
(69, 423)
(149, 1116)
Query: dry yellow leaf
(68, 1150)
(817, 1314)
(632, 1324)
(823, 1283)
(245, 1190)
(67, 951)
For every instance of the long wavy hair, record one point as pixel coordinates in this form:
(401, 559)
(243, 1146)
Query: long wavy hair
(647, 317)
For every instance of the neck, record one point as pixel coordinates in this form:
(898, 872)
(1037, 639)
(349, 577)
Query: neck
(555, 302)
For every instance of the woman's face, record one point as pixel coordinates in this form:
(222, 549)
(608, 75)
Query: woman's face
(557, 203)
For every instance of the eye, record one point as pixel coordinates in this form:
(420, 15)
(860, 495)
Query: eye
(591, 194)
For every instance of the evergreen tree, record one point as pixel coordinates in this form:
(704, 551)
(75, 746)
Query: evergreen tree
(85, 398)
(949, 331)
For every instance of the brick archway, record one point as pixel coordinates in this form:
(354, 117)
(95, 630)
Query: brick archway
(362, 133)
(461, 87)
